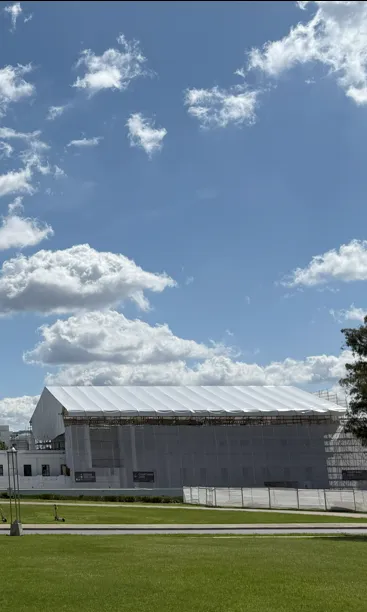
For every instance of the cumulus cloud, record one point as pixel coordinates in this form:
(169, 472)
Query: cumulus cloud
(55, 111)
(59, 172)
(109, 337)
(85, 142)
(13, 87)
(75, 279)
(17, 411)
(348, 263)
(349, 314)
(335, 37)
(13, 10)
(217, 370)
(16, 182)
(20, 232)
(143, 134)
(218, 107)
(114, 69)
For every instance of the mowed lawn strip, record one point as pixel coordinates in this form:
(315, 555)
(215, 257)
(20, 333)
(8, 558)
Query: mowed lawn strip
(129, 515)
(166, 573)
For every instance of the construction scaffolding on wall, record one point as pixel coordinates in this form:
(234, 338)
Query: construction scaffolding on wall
(347, 460)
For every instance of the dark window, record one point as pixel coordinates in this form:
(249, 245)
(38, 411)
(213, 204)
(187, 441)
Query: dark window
(45, 470)
(309, 473)
(1, 470)
(287, 473)
(27, 470)
(203, 477)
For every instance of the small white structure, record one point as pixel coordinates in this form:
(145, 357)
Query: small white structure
(5, 435)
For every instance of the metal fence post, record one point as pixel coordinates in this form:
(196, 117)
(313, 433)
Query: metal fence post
(206, 496)
(215, 496)
(269, 498)
(354, 499)
(297, 491)
(325, 499)
(243, 505)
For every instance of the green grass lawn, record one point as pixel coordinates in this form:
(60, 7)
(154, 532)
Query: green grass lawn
(128, 514)
(182, 574)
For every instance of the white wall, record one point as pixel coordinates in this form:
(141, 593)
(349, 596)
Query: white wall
(36, 459)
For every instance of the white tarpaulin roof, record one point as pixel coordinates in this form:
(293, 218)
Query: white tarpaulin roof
(186, 401)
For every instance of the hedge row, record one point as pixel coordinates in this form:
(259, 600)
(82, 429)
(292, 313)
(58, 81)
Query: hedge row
(153, 499)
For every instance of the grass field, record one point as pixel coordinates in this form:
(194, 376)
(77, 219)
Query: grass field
(182, 574)
(129, 514)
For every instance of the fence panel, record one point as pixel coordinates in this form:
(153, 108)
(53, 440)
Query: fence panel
(311, 499)
(202, 496)
(260, 498)
(361, 501)
(340, 500)
(283, 498)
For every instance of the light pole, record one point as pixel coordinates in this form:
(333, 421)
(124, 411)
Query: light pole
(16, 528)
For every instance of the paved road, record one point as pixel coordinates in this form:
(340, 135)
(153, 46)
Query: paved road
(215, 532)
(281, 529)
(187, 507)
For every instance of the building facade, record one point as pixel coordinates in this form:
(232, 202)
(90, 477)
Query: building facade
(167, 437)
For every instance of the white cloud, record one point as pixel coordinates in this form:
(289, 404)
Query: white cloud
(219, 370)
(17, 411)
(6, 150)
(59, 172)
(14, 10)
(143, 134)
(348, 263)
(55, 111)
(218, 107)
(11, 134)
(335, 37)
(13, 87)
(114, 69)
(350, 314)
(75, 279)
(20, 232)
(33, 156)
(189, 280)
(109, 337)
(16, 182)
(85, 142)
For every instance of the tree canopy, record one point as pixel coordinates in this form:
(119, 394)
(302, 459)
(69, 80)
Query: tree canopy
(355, 381)
(2, 446)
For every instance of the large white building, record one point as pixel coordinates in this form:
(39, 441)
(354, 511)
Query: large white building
(165, 437)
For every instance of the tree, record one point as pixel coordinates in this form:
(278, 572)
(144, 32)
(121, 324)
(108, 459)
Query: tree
(355, 381)
(2, 446)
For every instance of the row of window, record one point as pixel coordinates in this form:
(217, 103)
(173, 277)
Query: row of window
(27, 470)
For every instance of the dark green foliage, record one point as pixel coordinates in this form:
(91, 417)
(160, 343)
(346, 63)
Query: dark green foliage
(355, 381)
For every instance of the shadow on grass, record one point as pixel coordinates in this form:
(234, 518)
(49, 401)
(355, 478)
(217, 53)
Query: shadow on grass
(344, 537)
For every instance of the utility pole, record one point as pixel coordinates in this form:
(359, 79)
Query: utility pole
(16, 528)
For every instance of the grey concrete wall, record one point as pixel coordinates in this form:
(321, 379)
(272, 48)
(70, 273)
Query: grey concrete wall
(222, 456)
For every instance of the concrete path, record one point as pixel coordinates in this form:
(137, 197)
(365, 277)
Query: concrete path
(281, 528)
(195, 532)
(187, 507)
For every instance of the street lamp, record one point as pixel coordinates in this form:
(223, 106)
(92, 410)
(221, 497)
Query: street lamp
(16, 528)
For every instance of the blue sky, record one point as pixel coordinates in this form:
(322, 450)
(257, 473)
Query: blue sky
(228, 183)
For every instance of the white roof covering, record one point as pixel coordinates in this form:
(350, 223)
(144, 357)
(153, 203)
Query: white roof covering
(186, 401)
